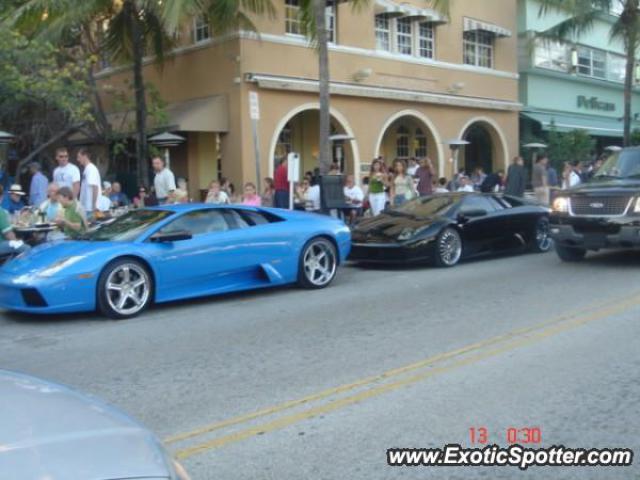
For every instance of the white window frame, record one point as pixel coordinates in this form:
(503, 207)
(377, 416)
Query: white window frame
(403, 138)
(551, 55)
(404, 38)
(389, 37)
(201, 29)
(476, 41)
(383, 33)
(292, 23)
(420, 149)
(588, 69)
(426, 40)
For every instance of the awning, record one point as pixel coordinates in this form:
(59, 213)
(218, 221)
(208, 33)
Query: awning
(473, 25)
(396, 10)
(208, 114)
(597, 126)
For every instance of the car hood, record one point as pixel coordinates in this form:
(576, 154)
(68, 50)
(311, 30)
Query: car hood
(385, 226)
(609, 186)
(51, 431)
(46, 254)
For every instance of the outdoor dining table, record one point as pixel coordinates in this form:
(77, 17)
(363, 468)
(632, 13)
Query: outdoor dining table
(33, 234)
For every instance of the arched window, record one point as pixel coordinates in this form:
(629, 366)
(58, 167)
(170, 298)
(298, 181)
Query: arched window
(420, 144)
(402, 142)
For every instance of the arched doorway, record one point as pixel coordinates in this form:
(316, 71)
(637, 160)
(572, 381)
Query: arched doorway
(487, 146)
(298, 132)
(407, 135)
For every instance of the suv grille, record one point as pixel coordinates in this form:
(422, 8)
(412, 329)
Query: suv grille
(600, 206)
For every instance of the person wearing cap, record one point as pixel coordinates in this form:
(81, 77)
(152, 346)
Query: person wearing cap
(14, 201)
(38, 186)
(9, 245)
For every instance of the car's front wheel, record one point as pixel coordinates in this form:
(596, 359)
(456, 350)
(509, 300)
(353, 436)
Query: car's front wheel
(570, 254)
(318, 263)
(541, 241)
(124, 289)
(448, 248)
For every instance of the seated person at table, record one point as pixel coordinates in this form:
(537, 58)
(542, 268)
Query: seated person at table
(51, 207)
(74, 219)
(9, 245)
(308, 195)
(117, 197)
(144, 199)
(354, 196)
(104, 202)
(14, 201)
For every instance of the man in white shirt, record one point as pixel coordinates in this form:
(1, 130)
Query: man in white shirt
(466, 185)
(164, 181)
(66, 174)
(91, 188)
(354, 196)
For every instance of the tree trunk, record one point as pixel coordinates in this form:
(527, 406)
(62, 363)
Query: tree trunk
(138, 83)
(628, 91)
(324, 158)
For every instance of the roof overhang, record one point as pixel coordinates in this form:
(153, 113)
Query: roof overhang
(397, 10)
(473, 25)
(563, 122)
(207, 114)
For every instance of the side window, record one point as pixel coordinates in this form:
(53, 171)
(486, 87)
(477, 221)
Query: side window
(476, 202)
(498, 203)
(254, 218)
(199, 222)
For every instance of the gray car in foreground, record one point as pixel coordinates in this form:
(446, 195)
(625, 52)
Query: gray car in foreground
(48, 431)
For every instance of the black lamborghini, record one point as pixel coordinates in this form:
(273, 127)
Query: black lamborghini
(444, 228)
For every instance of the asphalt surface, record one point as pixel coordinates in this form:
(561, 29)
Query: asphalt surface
(291, 384)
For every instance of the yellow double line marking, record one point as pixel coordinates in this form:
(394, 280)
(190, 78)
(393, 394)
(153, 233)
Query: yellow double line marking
(502, 343)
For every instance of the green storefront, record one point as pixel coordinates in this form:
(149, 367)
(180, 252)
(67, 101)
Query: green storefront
(573, 85)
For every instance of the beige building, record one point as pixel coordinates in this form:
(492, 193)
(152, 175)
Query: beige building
(405, 81)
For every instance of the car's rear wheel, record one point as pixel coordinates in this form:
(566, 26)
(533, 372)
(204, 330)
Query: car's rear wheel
(124, 289)
(448, 249)
(318, 263)
(541, 241)
(570, 254)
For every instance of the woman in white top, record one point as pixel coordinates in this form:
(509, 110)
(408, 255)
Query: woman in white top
(570, 177)
(216, 195)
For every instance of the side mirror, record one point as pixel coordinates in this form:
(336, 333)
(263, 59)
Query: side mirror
(169, 237)
(465, 215)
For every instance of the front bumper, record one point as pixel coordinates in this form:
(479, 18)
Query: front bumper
(392, 253)
(594, 233)
(40, 295)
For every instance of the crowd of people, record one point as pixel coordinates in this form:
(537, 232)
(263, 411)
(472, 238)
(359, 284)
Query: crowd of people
(72, 198)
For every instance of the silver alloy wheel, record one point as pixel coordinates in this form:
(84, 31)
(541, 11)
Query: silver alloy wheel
(319, 263)
(127, 289)
(543, 239)
(450, 247)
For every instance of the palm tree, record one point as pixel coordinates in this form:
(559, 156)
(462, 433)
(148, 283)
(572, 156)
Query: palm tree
(313, 19)
(580, 18)
(131, 29)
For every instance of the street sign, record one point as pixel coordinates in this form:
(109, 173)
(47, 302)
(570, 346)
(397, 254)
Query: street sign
(254, 106)
(293, 174)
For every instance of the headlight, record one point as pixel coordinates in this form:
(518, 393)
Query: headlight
(61, 264)
(406, 234)
(560, 205)
(636, 208)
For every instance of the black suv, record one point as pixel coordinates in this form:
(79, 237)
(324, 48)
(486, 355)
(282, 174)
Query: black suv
(603, 213)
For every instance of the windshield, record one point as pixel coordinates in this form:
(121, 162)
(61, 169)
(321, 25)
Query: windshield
(427, 206)
(624, 164)
(128, 227)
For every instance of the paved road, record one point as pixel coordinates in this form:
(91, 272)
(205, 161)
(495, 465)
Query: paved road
(291, 384)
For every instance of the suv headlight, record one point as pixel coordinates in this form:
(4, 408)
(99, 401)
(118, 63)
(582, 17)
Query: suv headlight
(560, 205)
